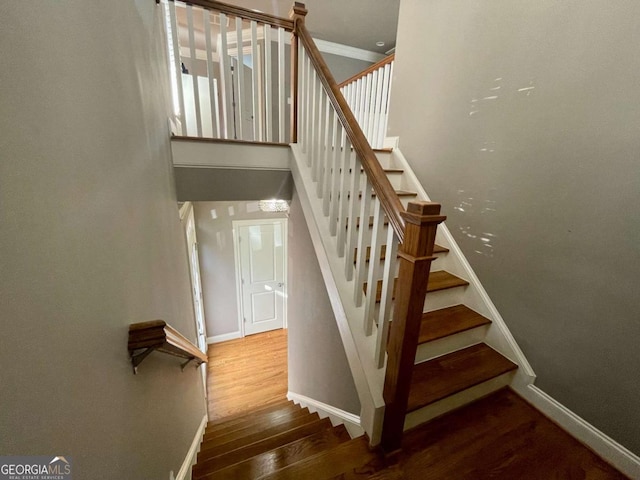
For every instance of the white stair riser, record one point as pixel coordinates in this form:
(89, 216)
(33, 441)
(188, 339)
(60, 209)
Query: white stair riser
(457, 400)
(452, 343)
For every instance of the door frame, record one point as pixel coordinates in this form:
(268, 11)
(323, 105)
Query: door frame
(235, 225)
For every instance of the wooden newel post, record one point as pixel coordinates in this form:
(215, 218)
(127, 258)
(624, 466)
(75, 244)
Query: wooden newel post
(297, 14)
(416, 255)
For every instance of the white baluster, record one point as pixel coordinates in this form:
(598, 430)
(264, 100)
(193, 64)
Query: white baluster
(354, 202)
(171, 6)
(386, 299)
(194, 77)
(213, 91)
(268, 94)
(375, 139)
(333, 185)
(364, 238)
(225, 77)
(343, 203)
(369, 105)
(302, 102)
(282, 101)
(328, 155)
(255, 84)
(374, 265)
(239, 96)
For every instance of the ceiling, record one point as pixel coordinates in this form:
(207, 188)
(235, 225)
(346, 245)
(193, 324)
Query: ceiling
(358, 23)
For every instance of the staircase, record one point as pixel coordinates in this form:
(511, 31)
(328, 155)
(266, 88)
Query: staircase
(282, 440)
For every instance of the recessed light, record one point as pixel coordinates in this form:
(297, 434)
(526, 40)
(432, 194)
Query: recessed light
(380, 44)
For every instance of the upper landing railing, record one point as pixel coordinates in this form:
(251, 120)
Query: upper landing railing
(230, 79)
(230, 71)
(367, 94)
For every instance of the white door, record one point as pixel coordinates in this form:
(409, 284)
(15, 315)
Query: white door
(262, 254)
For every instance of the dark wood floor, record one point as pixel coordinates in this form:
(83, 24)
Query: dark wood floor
(498, 437)
(246, 373)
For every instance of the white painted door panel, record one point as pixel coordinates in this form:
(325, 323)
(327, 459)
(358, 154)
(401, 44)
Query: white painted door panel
(262, 260)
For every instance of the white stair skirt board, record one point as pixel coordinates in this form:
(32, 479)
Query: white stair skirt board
(456, 400)
(190, 459)
(620, 457)
(451, 343)
(224, 337)
(337, 416)
(360, 349)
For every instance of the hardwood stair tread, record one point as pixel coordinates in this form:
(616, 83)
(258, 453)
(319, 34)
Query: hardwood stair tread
(266, 444)
(243, 415)
(454, 372)
(449, 321)
(246, 429)
(270, 461)
(330, 463)
(211, 450)
(383, 252)
(243, 421)
(438, 280)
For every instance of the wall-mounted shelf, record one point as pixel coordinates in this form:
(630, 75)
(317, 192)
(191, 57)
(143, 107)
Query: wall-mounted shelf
(146, 337)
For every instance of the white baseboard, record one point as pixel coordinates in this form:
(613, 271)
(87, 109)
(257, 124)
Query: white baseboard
(224, 337)
(190, 459)
(610, 450)
(336, 415)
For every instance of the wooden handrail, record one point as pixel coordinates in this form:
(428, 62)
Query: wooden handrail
(244, 13)
(389, 200)
(368, 70)
(416, 255)
(145, 337)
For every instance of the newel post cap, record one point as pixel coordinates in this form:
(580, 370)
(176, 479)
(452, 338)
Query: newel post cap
(420, 213)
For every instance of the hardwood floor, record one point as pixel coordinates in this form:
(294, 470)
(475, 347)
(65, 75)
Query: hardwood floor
(497, 437)
(246, 373)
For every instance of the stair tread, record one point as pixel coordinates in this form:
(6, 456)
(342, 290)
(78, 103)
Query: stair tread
(340, 459)
(438, 280)
(214, 449)
(274, 441)
(243, 415)
(383, 252)
(448, 321)
(242, 421)
(251, 427)
(454, 372)
(439, 249)
(283, 456)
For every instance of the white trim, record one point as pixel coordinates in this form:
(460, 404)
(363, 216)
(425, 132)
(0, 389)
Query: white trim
(190, 459)
(224, 337)
(620, 457)
(348, 51)
(336, 415)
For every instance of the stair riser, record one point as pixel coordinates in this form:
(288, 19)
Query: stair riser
(452, 343)
(457, 400)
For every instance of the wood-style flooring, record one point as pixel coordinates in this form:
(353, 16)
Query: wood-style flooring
(246, 373)
(255, 433)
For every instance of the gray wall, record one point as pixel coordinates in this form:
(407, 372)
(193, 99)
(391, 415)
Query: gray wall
(217, 262)
(521, 118)
(318, 365)
(90, 241)
(344, 67)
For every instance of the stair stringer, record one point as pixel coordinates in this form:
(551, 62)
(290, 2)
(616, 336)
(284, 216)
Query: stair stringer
(474, 296)
(359, 348)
